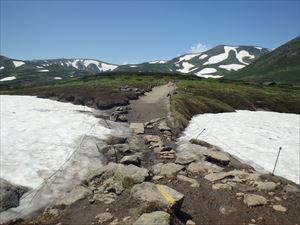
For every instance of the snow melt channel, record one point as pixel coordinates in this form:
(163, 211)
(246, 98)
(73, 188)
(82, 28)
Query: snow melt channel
(253, 137)
(48, 146)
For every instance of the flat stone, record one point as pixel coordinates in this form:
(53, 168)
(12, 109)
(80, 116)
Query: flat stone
(200, 142)
(166, 169)
(190, 222)
(218, 157)
(279, 208)
(254, 200)
(269, 186)
(193, 182)
(138, 128)
(291, 188)
(162, 126)
(202, 168)
(112, 140)
(220, 186)
(131, 159)
(185, 159)
(106, 198)
(154, 218)
(151, 138)
(103, 217)
(76, 194)
(157, 195)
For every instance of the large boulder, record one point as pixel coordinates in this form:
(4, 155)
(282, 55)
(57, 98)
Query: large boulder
(159, 196)
(10, 194)
(154, 218)
(76, 194)
(218, 157)
(166, 169)
(254, 200)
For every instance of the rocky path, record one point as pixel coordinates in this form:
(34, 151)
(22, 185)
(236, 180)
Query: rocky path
(152, 105)
(151, 180)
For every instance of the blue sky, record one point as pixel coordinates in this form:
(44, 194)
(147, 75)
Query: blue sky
(138, 31)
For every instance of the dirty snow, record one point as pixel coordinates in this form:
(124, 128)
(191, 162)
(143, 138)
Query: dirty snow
(186, 67)
(38, 135)
(230, 67)
(18, 63)
(206, 71)
(254, 137)
(8, 78)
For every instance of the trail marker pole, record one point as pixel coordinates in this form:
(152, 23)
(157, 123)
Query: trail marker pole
(200, 133)
(276, 160)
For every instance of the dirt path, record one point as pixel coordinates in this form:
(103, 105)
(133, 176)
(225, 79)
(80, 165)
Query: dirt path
(154, 104)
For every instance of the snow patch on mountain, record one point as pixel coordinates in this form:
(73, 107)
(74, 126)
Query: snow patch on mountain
(210, 76)
(203, 56)
(186, 67)
(230, 67)
(43, 71)
(57, 78)
(187, 57)
(158, 61)
(2, 67)
(8, 78)
(243, 54)
(18, 63)
(206, 71)
(107, 67)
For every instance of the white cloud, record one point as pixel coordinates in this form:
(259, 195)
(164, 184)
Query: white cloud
(199, 47)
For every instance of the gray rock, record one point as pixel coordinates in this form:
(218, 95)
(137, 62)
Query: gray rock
(279, 208)
(10, 194)
(157, 195)
(151, 138)
(162, 126)
(200, 142)
(76, 194)
(107, 198)
(103, 217)
(291, 188)
(131, 159)
(194, 183)
(112, 140)
(254, 200)
(220, 186)
(218, 157)
(138, 128)
(269, 186)
(122, 118)
(190, 222)
(202, 168)
(154, 218)
(185, 159)
(166, 169)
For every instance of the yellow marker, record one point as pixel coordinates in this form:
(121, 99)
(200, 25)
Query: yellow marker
(165, 194)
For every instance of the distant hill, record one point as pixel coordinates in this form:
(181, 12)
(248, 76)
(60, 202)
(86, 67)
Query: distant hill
(281, 65)
(216, 62)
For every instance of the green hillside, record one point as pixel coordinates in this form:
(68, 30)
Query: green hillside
(281, 65)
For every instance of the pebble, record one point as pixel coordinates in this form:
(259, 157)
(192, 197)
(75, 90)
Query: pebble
(279, 208)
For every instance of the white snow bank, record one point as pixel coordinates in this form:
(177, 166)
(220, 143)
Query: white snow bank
(8, 78)
(186, 67)
(206, 71)
(210, 76)
(244, 54)
(203, 56)
(43, 71)
(254, 137)
(232, 67)
(107, 67)
(38, 136)
(18, 63)
(221, 57)
(188, 57)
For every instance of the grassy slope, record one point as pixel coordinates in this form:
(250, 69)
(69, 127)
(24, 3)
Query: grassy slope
(193, 95)
(281, 65)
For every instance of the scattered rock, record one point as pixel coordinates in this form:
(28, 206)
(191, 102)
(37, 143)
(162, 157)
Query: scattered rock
(200, 142)
(190, 222)
(131, 159)
(202, 168)
(76, 194)
(154, 218)
(217, 157)
(51, 212)
(291, 188)
(157, 195)
(112, 140)
(279, 208)
(162, 126)
(122, 118)
(254, 200)
(166, 169)
(277, 199)
(270, 186)
(226, 210)
(193, 182)
(10, 194)
(151, 138)
(106, 198)
(220, 186)
(185, 159)
(103, 217)
(122, 148)
(157, 177)
(138, 128)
